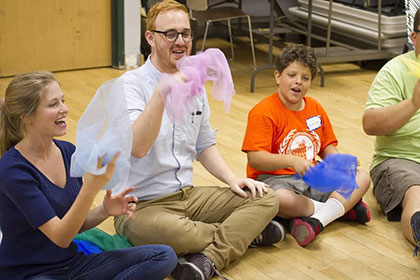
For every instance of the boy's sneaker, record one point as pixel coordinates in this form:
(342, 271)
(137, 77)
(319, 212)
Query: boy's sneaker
(274, 232)
(305, 229)
(359, 213)
(415, 228)
(284, 222)
(195, 267)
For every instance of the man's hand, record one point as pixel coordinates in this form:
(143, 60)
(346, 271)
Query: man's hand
(238, 184)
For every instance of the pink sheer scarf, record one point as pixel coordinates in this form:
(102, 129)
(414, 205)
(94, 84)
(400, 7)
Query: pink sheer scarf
(210, 65)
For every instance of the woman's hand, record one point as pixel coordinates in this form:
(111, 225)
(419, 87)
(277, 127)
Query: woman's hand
(99, 181)
(120, 204)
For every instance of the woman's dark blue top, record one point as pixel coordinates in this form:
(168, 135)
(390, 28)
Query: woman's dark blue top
(28, 200)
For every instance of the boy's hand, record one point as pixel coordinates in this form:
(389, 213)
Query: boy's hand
(300, 165)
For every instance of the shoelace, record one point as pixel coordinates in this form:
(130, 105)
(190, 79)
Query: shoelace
(414, 226)
(416, 249)
(258, 240)
(217, 272)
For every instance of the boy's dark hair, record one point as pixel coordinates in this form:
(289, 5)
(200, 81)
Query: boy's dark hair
(297, 53)
(416, 20)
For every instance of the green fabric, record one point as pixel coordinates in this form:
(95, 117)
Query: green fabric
(394, 84)
(103, 240)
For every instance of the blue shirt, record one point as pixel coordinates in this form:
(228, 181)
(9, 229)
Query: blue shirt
(168, 166)
(28, 199)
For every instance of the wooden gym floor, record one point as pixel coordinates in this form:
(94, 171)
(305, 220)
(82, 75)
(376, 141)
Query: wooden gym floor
(343, 250)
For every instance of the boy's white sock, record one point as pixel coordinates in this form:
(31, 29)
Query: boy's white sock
(331, 210)
(317, 205)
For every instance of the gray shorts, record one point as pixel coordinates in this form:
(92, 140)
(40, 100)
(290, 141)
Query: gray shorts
(391, 179)
(289, 182)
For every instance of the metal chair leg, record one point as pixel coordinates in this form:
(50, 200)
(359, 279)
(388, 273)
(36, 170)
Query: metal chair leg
(252, 42)
(322, 74)
(205, 35)
(231, 39)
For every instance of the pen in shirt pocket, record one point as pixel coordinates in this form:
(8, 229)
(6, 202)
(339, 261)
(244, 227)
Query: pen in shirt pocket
(197, 113)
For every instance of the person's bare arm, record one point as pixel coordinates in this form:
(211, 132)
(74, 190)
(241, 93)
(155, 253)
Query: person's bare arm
(387, 120)
(147, 126)
(266, 161)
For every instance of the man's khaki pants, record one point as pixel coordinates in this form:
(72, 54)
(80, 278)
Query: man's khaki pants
(212, 220)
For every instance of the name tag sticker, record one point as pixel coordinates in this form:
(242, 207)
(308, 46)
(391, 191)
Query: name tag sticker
(313, 123)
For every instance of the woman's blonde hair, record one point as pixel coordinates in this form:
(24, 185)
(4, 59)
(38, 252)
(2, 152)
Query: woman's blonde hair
(21, 100)
(159, 7)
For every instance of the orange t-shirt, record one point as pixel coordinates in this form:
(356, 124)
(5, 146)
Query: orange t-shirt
(275, 129)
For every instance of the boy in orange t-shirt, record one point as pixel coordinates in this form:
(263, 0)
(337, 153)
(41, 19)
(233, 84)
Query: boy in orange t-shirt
(285, 133)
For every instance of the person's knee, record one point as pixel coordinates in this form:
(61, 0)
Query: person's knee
(172, 260)
(413, 191)
(410, 200)
(141, 229)
(119, 224)
(179, 232)
(169, 254)
(363, 180)
(287, 199)
(191, 242)
(159, 260)
(270, 200)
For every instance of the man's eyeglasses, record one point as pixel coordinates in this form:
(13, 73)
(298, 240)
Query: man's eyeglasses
(416, 30)
(172, 35)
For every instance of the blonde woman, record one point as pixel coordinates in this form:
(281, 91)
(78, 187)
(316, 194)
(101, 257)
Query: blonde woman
(42, 207)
